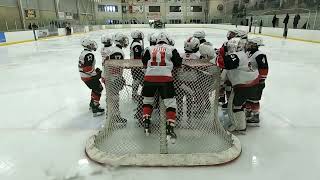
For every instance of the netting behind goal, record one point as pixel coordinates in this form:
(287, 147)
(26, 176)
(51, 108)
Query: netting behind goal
(201, 139)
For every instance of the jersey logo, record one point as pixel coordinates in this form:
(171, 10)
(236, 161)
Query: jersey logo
(233, 57)
(263, 60)
(117, 57)
(162, 52)
(89, 57)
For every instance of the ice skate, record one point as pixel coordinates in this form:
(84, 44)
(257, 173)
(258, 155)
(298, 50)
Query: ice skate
(171, 135)
(248, 115)
(146, 125)
(222, 100)
(91, 105)
(97, 111)
(254, 121)
(136, 98)
(224, 106)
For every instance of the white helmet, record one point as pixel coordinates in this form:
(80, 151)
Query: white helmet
(231, 34)
(257, 41)
(137, 34)
(199, 34)
(163, 37)
(121, 39)
(89, 44)
(237, 33)
(106, 40)
(235, 44)
(152, 39)
(241, 34)
(191, 44)
(206, 50)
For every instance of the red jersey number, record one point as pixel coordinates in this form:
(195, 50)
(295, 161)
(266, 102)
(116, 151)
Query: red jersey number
(162, 57)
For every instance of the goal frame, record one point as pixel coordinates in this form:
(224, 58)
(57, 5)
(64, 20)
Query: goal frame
(163, 159)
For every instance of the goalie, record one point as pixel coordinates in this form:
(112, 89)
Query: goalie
(243, 77)
(159, 61)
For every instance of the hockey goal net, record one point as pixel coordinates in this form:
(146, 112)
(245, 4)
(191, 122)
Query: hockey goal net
(201, 138)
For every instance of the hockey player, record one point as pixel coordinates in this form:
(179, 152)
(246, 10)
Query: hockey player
(136, 51)
(243, 78)
(116, 80)
(187, 78)
(91, 75)
(105, 52)
(152, 39)
(225, 90)
(159, 61)
(258, 62)
(200, 35)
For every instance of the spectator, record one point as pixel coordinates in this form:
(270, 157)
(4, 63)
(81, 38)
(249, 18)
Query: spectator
(306, 25)
(30, 26)
(34, 26)
(251, 23)
(260, 26)
(274, 20)
(296, 21)
(285, 21)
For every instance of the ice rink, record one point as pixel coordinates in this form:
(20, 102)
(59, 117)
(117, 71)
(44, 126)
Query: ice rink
(45, 121)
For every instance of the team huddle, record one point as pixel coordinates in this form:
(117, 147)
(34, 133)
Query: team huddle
(243, 72)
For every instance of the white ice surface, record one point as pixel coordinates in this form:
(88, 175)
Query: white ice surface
(44, 117)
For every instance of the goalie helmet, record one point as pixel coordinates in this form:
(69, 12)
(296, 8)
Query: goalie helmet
(235, 44)
(89, 44)
(192, 44)
(163, 37)
(199, 34)
(106, 40)
(121, 40)
(137, 35)
(152, 39)
(206, 50)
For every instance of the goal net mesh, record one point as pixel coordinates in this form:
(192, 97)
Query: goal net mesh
(201, 138)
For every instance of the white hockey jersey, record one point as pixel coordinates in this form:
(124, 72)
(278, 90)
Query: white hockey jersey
(259, 62)
(239, 71)
(185, 73)
(87, 65)
(112, 53)
(159, 61)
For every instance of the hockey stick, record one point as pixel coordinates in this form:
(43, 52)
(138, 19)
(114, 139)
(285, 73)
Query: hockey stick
(203, 72)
